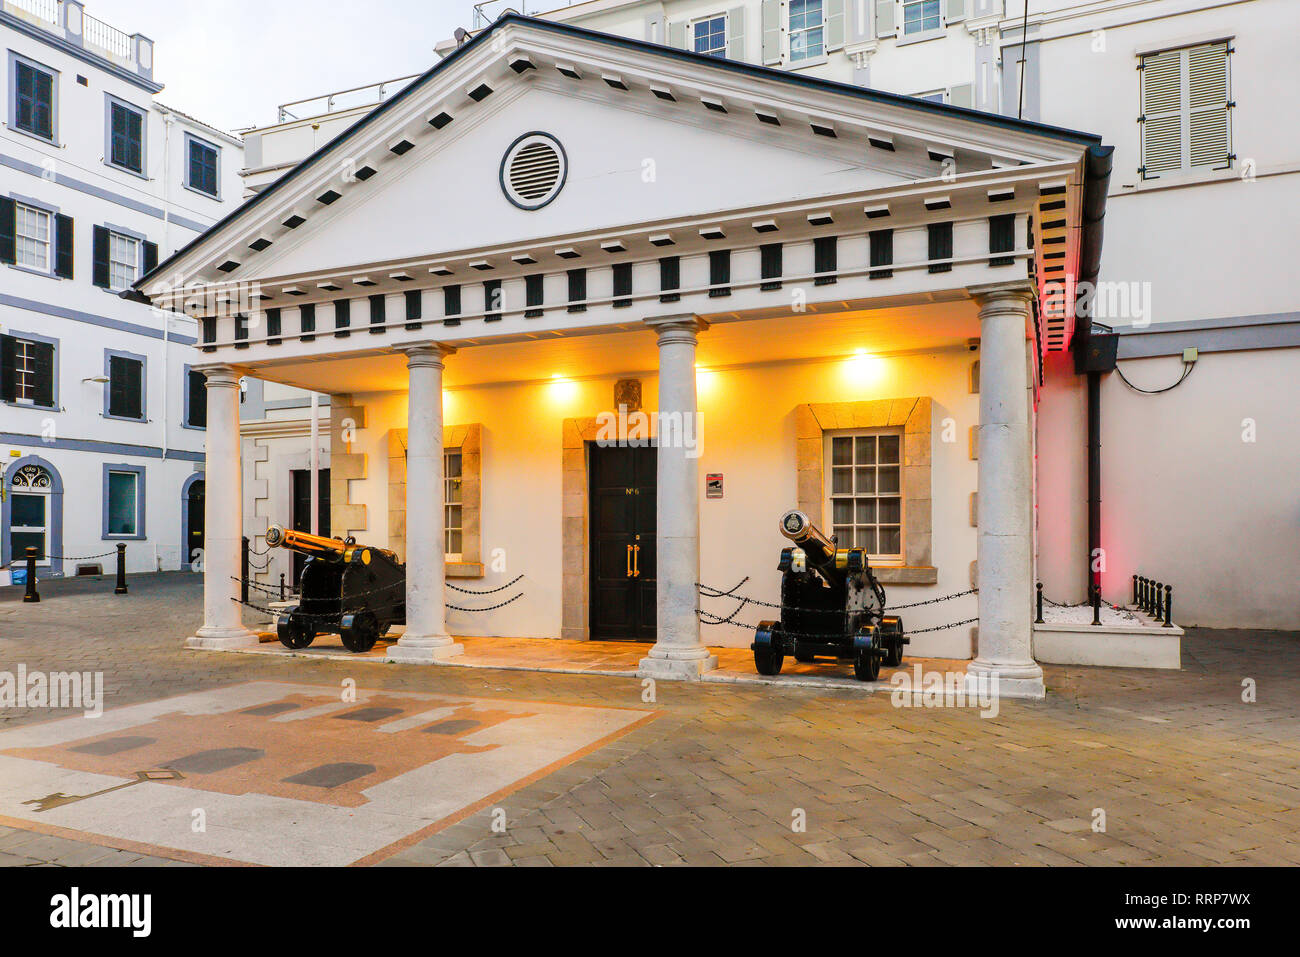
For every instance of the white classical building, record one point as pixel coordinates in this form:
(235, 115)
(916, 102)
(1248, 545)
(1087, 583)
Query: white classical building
(101, 418)
(824, 296)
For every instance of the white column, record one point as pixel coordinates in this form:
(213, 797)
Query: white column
(425, 639)
(678, 651)
(223, 520)
(1005, 498)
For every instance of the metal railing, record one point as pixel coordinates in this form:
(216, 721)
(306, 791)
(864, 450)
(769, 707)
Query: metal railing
(488, 11)
(46, 10)
(97, 33)
(370, 94)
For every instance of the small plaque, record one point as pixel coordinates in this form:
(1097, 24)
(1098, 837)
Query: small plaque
(713, 485)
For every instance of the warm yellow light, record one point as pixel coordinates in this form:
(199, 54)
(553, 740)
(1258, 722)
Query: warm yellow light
(562, 389)
(863, 368)
(704, 379)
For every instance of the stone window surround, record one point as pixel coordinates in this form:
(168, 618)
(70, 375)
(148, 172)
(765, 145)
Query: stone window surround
(914, 415)
(469, 439)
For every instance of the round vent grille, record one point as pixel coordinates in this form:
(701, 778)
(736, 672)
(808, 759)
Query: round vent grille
(533, 170)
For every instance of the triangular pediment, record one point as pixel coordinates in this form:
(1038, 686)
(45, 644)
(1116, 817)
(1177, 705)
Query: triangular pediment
(652, 139)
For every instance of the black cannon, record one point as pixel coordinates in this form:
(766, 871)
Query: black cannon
(831, 607)
(354, 590)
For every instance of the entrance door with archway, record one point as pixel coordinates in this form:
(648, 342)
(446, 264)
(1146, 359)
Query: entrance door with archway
(622, 532)
(194, 520)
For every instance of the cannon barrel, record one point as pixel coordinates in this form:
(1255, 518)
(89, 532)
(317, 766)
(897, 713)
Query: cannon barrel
(308, 544)
(820, 550)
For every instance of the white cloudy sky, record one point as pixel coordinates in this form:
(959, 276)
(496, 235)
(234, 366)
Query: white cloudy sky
(231, 62)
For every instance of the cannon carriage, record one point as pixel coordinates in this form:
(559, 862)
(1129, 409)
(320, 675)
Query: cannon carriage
(832, 606)
(356, 591)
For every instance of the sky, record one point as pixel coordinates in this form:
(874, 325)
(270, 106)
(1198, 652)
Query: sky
(230, 63)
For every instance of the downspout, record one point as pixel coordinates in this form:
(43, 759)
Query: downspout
(168, 120)
(1094, 354)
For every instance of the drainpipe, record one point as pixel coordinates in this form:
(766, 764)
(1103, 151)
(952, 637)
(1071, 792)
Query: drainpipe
(315, 464)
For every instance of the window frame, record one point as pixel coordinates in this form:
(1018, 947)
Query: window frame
(109, 102)
(115, 232)
(109, 355)
(719, 52)
(829, 495)
(790, 32)
(54, 370)
(448, 482)
(190, 142)
(139, 472)
(1185, 109)
(51, 238)
(14, 60)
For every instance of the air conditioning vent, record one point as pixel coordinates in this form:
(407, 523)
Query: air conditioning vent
(533, 170)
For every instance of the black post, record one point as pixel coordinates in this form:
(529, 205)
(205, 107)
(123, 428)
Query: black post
(1039, 619)
(1094, 476)
(1169, 606)
(30, 593)
(1142, 594)
(281, 586)
(1159, 603)
(243, 575)
(121, 569)
(1135, 591)
(1096, 604)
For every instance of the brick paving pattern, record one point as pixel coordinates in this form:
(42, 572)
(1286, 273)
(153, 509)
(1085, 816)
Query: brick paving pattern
(1184, 771)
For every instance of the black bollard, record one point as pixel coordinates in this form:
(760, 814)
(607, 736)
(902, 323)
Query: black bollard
(1158, 603)
(1039, 619)
(281, 586)
(1096, 604)
(243, 574)
(1169, 606)
(1145, 603)
(121, 569)
(1135, 591)
(30, 593)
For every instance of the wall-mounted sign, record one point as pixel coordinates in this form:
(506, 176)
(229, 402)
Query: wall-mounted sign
(713, 485)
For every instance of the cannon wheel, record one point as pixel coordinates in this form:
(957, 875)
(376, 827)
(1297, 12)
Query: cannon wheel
(359, 631)
(866, 659)
(768, 658)
(893, 632)
(293, 630)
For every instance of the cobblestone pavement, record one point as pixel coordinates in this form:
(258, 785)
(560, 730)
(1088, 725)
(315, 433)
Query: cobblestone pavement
(1184, 771)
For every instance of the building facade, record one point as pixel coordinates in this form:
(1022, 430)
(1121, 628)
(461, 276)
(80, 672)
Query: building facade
(101, 424)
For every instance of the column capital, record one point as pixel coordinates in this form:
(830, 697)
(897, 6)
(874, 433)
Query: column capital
(425, 354)
(221, 376)
(679, 327)
(987, 294)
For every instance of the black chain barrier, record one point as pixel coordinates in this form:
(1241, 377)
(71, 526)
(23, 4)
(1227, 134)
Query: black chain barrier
(490, 591)
(744, 600)
(277, 611)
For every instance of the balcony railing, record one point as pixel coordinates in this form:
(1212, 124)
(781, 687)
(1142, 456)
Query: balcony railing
(371, 94)
(97, 33)
(44, 10)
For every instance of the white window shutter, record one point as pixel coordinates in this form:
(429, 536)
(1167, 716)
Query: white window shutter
(884, 18)
(677, 35)
(1207, 105)
(835, 27)
(771, 31)
(1162, 112)
(736, 33)
(955, 10)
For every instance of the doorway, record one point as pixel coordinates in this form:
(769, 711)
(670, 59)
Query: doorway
(622, 534)
(301, 508)
(194, 518)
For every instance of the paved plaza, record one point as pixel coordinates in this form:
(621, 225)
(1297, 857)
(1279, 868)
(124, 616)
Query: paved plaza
(315, 759)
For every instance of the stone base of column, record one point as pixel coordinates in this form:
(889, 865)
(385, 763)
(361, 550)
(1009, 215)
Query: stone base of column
(222, 638)
(674, 665)
(1023, 680)
(424, 649)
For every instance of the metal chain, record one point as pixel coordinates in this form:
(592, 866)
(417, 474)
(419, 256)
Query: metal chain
(708, 592)
(935, 601)
(705, 616)
(489, 607)
(490, 591)
(744, 600)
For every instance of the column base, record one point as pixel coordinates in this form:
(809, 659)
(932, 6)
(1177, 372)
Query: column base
(222, 638)
(677, 665)
(1023, 680)
(423, 649)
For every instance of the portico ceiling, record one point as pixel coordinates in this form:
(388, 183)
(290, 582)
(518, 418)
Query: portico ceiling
(630, 349)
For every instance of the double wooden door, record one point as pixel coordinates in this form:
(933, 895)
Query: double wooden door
(622, 524)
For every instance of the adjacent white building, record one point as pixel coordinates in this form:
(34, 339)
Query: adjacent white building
(102, 418)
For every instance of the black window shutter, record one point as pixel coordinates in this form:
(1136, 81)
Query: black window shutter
(198, 389)
(1002, 238)
(43, 363)
(882, 253)
(492, 300)
(825, 260)
(378, 313)
(451, 304)
(124, 387)
(209, 324)
(719, 273)
(241, 332)
(8, 230)
(63, 246)
(577, 290)
(622, 285)
(342, 318)
(533, 295)
(414, 308)
(99, 257)
(8, 378)
(150, 256)
(771, 256)
(940, 246)
(307, 322)
(273, 327)
(670, 278)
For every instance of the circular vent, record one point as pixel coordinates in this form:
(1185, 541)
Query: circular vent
(533, 170)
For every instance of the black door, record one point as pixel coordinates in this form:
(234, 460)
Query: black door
(622, 498)
(302, 510)
(194, 513)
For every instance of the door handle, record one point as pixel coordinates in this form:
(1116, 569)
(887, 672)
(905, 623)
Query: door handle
(636, 561)
(629, 561)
